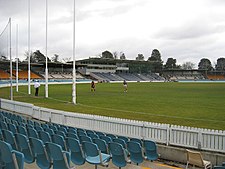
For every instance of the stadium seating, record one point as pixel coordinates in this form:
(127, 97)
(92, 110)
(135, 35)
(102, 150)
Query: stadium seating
(33, 147)
(4, 75)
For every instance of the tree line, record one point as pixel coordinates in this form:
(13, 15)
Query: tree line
(154, 58)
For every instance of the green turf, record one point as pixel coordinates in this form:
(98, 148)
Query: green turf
(190, 104)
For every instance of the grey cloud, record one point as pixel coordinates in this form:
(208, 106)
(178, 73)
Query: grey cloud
(193, 31)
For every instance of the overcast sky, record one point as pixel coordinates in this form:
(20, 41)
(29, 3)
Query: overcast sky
(186, 30)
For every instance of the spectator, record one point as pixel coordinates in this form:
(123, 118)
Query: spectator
(36, 86)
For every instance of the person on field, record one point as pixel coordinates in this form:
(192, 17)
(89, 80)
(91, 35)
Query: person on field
(36, 86)
(93, 86)
(125, 85)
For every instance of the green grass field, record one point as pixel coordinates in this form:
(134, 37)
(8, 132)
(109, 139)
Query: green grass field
(189, 104)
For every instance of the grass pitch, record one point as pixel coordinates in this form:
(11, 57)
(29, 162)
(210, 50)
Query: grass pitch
(188, 104)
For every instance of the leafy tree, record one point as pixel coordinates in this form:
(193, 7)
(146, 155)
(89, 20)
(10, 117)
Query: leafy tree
(188, 65)
(155, 56)
(55, 58)
(3, 58)
(122, 56)
(115, 55)
(170, 63)
(107, 55)
(140, 57)
(65, 60)
(39, 57)
(205, 64)
(31, 56)
(220, 65)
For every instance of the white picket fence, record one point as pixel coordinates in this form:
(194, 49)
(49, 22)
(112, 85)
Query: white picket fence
(204, 139)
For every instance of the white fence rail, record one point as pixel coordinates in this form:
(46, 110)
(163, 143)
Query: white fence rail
(204, 139)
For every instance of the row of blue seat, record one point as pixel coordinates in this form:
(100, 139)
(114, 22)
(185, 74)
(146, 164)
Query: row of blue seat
(57, 134)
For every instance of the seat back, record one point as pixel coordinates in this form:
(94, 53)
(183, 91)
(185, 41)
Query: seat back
(120, 141)
(77, 156)
(150, 150)
(9, 137)
(58, 139)
(136, 154)
(90, 149)
(11, 158)
(32, 132)
(40, 153)
(118, 154)
(85, 138)
(44, 136)
(24, 147)
(101, 145)
(58, 156)
(195, 158)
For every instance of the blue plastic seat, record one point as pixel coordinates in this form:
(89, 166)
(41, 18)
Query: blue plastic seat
(72, 130)
(100, 133)
(44, 126)
(22, 130)
(50, 131)
(126, 139)
(119, 157)
(136, 153)
(120, 141)
(81, 133)
(101, 145)
(9, 137)
(42, 158)
(44, 136)
(63, 129)
(38, 128)
(58, 139)
(93, 155)
(32, 132)
(12, 128)
(77, 155)
(85, 138)
(3, 125)
(137, 140)
(61, 159)
(106, 138)
(61, 133)
(31, 122)
(24, 147)
(12, 159)
(150, 150)
(72, 135)
(90, 132)
(112, 136)
(93, 136)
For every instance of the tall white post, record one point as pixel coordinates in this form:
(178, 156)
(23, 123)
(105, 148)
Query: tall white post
(74, 62)
(10, 55)
(29, 91)
(46, 52)
(17, 59)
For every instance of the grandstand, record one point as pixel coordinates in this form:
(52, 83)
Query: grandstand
(4, 75)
